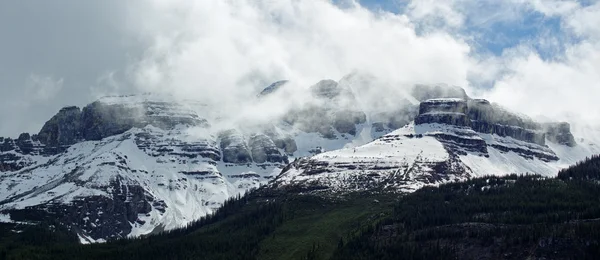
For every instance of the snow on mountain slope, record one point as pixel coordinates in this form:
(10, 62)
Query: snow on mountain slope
(451, 139)
(155, 187)
(132, 165)
(398, 161)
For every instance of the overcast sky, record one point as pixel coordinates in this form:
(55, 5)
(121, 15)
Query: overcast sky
(540, 57)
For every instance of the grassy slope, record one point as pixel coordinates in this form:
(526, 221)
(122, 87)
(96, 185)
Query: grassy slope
(320, 224)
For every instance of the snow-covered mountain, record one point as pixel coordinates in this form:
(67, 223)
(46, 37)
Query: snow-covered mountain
(132, 165)
(450, 139)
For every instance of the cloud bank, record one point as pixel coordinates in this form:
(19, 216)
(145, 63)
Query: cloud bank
(541, 58)
(230, 49)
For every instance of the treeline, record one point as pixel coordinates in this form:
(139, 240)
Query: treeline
(585, 170)
(232, 232)
(512, 217)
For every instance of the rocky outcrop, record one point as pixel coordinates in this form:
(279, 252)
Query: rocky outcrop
(443, 111)
(153, 145)
(63, 129)
(287, 144)
(346, 121)
(264, 150)
(100, 120)
(485, 118)
(481, 116)
(106, 217)
(15, 154)
(560, 133)
(234, 148)
(334, 109)
(328, 89)
(424, 92)
(272, 88)
(493, 119)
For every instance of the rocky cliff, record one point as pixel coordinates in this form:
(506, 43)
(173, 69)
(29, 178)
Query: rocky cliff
(132, 165)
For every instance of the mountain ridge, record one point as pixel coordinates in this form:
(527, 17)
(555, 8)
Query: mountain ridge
(162, 165)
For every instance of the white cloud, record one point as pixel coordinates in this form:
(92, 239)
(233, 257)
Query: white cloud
(226, 51)
(565, 88)
(584, 22)
(435, 14)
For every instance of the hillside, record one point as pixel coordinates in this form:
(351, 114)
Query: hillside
(512, 217)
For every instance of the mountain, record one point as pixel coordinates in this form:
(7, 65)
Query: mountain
(450, 139)
(127, 166)
(509, 217)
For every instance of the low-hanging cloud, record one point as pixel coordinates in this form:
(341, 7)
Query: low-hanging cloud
(564, 88)
(227, 51)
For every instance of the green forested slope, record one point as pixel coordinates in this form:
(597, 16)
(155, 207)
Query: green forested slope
(486, 218)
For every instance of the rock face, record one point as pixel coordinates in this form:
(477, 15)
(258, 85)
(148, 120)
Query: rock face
(484, 118)
(132, 165)
(96, 216)
(16, 154)
(425, 92)
(492, 119)
(401, 161)
(63, 129)
(334, 110)
(110, 116)
(560, 133)
(287, 144)
(234, 148)
(272, 88)
(103, 118)
(452, 138)
(264, 150)
(443, 111)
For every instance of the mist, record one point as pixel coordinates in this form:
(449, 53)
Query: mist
(223, 53)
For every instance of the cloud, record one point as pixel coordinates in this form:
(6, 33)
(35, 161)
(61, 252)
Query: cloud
(538, 57)
(565, 87)
(225, 52)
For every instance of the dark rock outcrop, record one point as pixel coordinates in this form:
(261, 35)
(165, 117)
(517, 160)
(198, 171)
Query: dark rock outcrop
(14, 153)
(483, 117)
(560, 133)
(328, 89)
(287, 144)
(443, 111)
(492, 119)
(272, 88)
(151, 145)
(234, 148)
(346, 121)
(424, 92)
(264, 150)
(100, 120)
(96, 216)
(63, 129)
